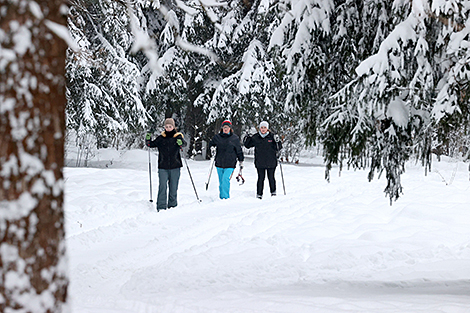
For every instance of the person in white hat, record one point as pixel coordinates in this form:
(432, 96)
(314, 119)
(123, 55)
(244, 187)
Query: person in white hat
(266, 146)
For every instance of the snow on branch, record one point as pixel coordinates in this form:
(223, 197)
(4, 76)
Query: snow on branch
(193, 48)
(207, 7)
(303, 19)
(187, 9)
(59, 30)
(249, 71)
(378, 63)
(404, 32)
(144, 43)
(62, 32)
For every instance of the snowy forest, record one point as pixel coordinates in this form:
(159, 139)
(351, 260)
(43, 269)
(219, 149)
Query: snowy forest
(374, 83)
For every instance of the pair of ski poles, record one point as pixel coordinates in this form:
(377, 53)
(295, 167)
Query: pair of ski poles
(239, 176)
(189, 172)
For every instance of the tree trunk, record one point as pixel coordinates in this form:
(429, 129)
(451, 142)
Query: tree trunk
(32, 103)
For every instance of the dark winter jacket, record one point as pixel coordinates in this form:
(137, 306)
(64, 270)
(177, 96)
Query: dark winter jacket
(228, 150)
(168, 150)
(266, 149)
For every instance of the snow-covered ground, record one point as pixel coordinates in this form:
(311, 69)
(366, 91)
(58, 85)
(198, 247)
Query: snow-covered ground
(324, 247)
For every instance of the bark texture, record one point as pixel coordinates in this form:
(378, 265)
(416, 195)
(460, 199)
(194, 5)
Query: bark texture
(32, 124)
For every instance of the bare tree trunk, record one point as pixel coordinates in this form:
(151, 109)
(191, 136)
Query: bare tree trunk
(32, 103)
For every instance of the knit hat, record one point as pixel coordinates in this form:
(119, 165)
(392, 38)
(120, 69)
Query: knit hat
(169, 121)
(264, 123)
(226, 122)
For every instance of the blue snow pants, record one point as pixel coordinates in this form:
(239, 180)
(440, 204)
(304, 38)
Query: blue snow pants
(224, 182)
(167, 178)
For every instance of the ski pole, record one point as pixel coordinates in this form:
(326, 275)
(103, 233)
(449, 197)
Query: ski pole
(282, 176)
(210, 172)
(150, 175)
(191, 177)
(280, 163)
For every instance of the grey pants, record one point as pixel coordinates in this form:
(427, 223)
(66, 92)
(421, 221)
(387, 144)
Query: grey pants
(167, 178)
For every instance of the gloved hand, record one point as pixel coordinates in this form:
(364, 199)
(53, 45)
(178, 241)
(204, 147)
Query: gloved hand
(241, 165)
(213, 150)
(148, 136)
(248, 136)
(276, 138)
(179, 142)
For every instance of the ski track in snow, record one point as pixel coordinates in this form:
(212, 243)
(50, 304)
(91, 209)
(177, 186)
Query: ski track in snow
(323, 247)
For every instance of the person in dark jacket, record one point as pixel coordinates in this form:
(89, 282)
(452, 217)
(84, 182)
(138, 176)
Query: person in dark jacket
(169, 144)
(228, 151)
(266, 146)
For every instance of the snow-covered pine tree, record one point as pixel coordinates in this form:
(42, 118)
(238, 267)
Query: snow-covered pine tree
(212, 27)
(186, 64)
(33, 275)
(253, 86)
(302, 38)
(451, 111)
(103, 90)
(161, 83)
(387, 109)
(245, 95)
(353, 30)
(199, 30)
(231, 42)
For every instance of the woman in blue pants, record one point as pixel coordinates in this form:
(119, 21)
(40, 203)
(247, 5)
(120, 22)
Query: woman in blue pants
(228, 151)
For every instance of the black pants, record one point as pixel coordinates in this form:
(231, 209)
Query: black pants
(261, 176)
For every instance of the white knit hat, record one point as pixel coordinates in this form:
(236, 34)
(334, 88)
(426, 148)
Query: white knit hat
(264, 123)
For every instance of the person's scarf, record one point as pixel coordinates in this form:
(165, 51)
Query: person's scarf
(263, 135)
